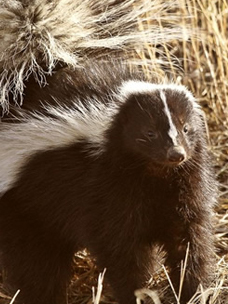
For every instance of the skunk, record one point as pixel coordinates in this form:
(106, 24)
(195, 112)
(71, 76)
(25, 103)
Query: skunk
(98, 158)
(117, 175)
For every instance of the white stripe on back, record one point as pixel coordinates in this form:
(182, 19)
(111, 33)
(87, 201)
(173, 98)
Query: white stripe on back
(19, 141)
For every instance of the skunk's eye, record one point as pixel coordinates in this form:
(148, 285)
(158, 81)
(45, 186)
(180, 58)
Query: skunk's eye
(186, 128)
(151, 134)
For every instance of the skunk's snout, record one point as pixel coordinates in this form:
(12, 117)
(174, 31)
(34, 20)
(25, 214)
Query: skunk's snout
(176, 154)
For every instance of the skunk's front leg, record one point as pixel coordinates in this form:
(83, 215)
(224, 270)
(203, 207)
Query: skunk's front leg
(196, 248)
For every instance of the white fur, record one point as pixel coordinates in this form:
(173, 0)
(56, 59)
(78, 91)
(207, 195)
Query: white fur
(40, 133)
(135, 86)
(172, 129)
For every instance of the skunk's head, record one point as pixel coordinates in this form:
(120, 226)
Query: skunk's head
(162, 123)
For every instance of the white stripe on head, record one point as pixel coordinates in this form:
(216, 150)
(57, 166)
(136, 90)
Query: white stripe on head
(172, 129)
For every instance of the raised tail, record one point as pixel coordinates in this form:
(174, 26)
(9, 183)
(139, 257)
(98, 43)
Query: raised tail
(38, 35)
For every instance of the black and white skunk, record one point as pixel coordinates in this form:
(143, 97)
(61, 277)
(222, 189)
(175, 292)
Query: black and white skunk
(97, 158)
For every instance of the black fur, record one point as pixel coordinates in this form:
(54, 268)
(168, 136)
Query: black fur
(118, 204)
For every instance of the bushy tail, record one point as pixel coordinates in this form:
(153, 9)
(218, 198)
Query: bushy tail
(36, 35)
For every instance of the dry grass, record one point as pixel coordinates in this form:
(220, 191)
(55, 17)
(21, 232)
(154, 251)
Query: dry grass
(202, 65)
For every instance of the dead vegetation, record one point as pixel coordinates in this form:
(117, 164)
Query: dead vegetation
(200, 63)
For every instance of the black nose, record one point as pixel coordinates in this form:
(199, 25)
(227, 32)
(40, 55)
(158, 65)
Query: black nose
(176, 154)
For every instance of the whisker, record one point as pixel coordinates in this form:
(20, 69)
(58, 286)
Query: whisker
(193, 163)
